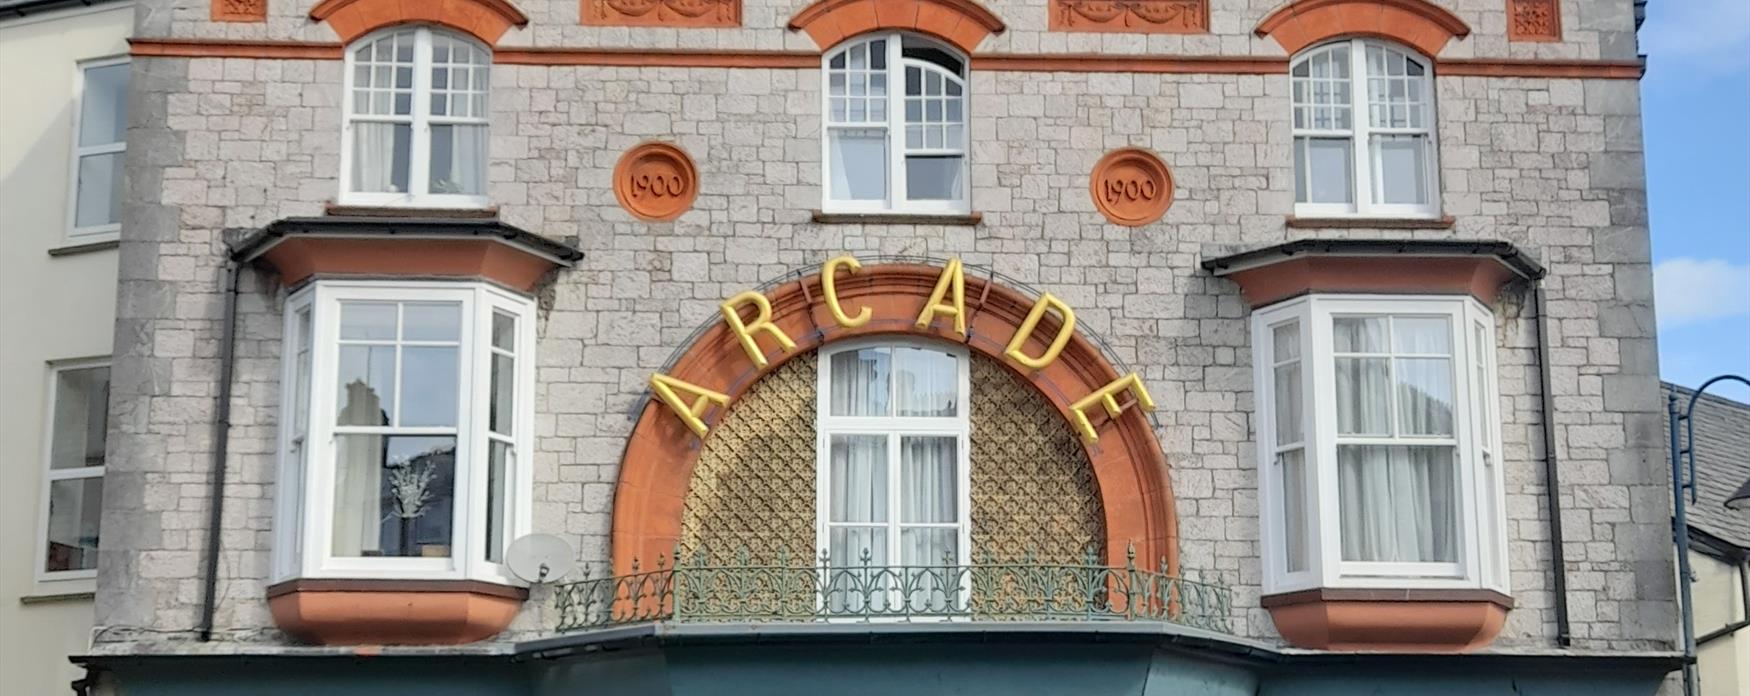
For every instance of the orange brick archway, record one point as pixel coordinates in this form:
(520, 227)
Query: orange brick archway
(963, 23)
(486, 20)
(1417, 23)
(1130, 468)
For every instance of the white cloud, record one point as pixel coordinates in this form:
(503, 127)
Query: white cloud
(1706, 35)
(1689, 290)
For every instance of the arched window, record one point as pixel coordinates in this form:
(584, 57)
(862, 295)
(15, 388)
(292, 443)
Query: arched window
(416, 120)
(895, 136)
(893, 428)
(1363, 132)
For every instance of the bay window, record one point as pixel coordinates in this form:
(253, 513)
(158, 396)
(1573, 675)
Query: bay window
(1377, 443)
(416, 120)
(895, 137)
(893, 428)
(408, 422)
(1363, 131)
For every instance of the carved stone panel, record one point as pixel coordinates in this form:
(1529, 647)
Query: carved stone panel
(1534, 20)
(656, 181)
(239, 10)
(1137, 16)
(662, 13)
(1131, 186)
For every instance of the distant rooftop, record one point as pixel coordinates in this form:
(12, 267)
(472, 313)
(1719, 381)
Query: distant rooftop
(1722, 463)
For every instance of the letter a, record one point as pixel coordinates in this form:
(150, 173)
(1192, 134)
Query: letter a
(829, 287)
(953, 279)
(1046, 301)
(666, 388)
(762, 321)
(1107, 397)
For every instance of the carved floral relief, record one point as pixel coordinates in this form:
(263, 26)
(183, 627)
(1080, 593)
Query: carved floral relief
(662, 13)
(1534, 20)
(1139, 16)
(239, 10)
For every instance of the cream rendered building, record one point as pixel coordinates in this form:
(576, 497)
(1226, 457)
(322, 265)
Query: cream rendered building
(64, 85)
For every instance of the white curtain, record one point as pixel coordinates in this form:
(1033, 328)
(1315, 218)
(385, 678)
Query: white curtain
(1399, 503)
(1294, 522)
(458, 159)
(859, 382)
(859, 480)
(373, 157)
(928, 382)
(1287, 382)
(358, 510)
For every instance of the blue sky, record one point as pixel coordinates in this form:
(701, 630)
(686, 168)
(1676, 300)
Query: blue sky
(1696, 106)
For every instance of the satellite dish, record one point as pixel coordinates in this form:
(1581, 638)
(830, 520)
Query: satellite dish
(539, 558)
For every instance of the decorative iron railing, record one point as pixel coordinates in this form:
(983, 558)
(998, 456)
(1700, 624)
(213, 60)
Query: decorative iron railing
(700, 589)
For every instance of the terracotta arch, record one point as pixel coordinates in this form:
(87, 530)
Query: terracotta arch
(1130, 468)
(486, 20)
(963, 23)
(1423, 25)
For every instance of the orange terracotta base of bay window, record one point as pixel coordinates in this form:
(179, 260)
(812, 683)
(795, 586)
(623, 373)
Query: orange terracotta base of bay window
(1389, 620)
(392, 612)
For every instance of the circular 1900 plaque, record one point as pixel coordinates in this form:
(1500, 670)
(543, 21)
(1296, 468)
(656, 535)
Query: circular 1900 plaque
(1131, 186)
(656, 181)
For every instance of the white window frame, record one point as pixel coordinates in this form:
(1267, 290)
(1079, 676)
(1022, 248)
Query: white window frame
(421, 119)
(303, 530)
(1481, 558)
(1364, 187)
(60, 580)
(894, 427)
(90, 233)
(896, 201)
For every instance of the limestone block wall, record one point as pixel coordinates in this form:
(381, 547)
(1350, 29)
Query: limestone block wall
(219, 146)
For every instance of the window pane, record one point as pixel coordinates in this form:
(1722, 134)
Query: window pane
(380, 153)
(1288, 403)
(367, 321)
(1402, 171)
(1358, 334)
(928, 492)
(1363, 396)
(366, 381)
(1294, 521)
(431, 321)
(929, 554)
(458, 159)
(1322, 170)
(1421, 336)
(502, 409)
(857, 160)
(859, 382)
(103, 108)
(1481, 391)
(859, 478)
(934, 178)
(497, 466)
(100, 190)
(503, 331)
(848, 588)
(927, 382)
(1425, 396)
(428, 386)
(1398, 503)
(847, 546)
(393, 495)
(81, 418)
(75, 506)
(301, 411)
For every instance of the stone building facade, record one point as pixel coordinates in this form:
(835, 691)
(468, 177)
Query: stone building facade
(236, 125)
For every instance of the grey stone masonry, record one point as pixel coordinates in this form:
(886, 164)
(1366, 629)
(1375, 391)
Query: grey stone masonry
(219, 146)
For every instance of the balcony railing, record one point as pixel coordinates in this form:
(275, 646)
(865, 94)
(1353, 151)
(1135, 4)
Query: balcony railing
(700, 589)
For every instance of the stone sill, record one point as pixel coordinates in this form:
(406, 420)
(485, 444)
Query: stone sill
(384, 211)
(1370, 223)
(57, 597)
(86, 247)
(953, 219)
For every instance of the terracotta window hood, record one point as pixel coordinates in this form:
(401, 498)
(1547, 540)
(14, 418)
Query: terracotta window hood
(436, 247)
(1285, 271)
